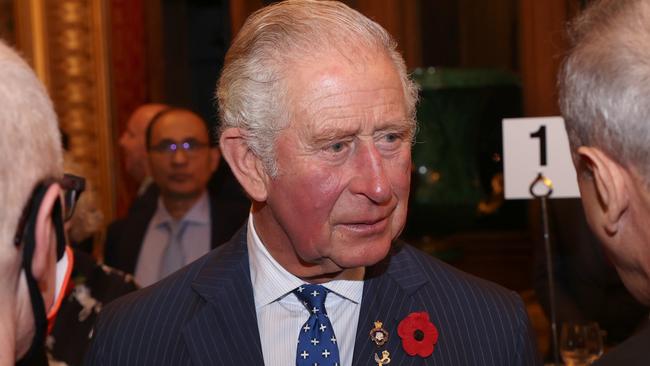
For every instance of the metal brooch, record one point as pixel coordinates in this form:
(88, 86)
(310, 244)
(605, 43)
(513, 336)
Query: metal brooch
(378, 334)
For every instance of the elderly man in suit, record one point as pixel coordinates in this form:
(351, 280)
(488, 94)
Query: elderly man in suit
(318, 120)
(605, 100)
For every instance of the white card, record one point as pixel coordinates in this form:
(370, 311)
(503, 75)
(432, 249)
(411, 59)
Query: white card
(537, 145)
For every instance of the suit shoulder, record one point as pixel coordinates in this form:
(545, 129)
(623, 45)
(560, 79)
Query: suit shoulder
(151, 312)
(632, 352)
(130, 329)
(481, 322)
(446, 279)
(115, 227)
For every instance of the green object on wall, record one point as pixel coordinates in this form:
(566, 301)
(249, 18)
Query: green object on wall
(458, 145)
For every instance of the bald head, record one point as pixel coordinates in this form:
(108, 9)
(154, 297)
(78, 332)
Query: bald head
(132, 140)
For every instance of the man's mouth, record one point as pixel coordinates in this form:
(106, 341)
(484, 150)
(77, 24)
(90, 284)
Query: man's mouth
(369, 226)
(179, 177)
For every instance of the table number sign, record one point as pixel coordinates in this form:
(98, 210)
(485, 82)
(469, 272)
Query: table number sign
(537, 145)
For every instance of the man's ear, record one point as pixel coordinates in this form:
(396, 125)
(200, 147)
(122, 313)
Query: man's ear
(45, 235)
(611, 184)
(245, 165)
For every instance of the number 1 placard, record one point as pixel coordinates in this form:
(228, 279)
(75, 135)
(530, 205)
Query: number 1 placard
(537, 145)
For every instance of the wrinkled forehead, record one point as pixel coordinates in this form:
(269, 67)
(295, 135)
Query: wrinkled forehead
(341, 89)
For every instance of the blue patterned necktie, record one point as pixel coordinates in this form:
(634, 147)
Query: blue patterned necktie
(316, 341)
(173, 258)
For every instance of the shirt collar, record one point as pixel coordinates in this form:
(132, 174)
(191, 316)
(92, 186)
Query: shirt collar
(272, 282)
(199, 213)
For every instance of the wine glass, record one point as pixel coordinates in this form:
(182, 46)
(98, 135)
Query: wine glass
(580, 343)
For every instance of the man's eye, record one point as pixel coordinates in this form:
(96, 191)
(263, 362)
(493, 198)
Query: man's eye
(190, 144)
(391, 137)
(337, 147)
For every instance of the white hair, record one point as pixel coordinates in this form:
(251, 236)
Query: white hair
(605, 82)
(251, 91)
(30, 141)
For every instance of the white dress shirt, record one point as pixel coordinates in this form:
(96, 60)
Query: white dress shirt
(280, 315)
(195, 241)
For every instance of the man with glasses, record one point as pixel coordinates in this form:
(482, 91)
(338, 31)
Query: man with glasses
(187, 221)
(34, 260)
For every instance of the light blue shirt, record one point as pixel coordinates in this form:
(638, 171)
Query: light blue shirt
(280, 314)
(195, 241)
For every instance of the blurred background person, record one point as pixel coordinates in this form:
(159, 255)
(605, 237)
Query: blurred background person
(88, 219)
(132, 143)
(187, 220)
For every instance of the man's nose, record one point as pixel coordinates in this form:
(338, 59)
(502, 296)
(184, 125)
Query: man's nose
(179, 156)
(371, 178)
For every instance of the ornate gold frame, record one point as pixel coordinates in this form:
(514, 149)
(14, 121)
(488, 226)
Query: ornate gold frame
(67, 43)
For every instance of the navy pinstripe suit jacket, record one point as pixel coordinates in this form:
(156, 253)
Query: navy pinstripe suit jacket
(204, 314)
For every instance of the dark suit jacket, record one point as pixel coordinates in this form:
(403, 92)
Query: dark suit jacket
(204, 314)
(124, 237)
(633, 352)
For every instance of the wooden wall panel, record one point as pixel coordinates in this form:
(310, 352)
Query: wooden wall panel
(402, 20)
(488, 34)
(129, 65)
(66, 42)
(239, 11)
(542, 43)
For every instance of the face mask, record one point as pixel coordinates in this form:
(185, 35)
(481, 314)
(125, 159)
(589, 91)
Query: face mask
(43, 323)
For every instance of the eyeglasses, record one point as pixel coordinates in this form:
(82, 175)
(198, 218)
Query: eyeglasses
(170, 147)
(72, 187)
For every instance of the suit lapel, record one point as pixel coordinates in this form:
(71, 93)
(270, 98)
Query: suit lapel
(387, 297)
(224, 330)
(133, 237)
(135, 228)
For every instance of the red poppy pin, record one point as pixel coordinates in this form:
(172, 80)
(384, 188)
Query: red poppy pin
(418, 334)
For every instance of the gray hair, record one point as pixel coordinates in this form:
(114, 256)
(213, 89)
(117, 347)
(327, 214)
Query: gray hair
(251, 93)
(30, 142)
(605, 82)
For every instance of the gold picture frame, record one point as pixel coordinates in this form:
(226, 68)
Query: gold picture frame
(67, 43)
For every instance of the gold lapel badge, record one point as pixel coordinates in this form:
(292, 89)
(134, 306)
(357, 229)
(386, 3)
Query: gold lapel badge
(378, 334)
(384, 360)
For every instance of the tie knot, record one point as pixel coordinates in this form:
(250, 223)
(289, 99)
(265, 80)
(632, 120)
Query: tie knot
(313, 296)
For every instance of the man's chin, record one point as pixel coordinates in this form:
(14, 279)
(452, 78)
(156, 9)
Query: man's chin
(181, 194)
(366, 256)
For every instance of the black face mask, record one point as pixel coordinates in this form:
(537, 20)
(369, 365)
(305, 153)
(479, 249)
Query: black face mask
(36, 353)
